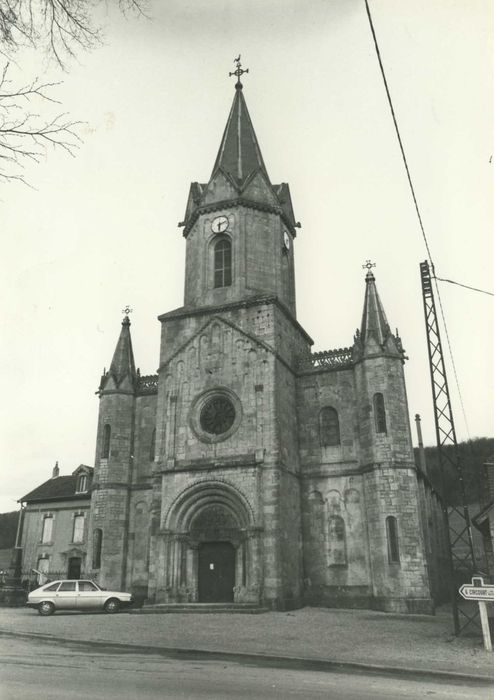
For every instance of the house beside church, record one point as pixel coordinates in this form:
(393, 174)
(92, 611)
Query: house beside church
(249, 469)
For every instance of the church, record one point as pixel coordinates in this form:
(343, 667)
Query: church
(249, 469)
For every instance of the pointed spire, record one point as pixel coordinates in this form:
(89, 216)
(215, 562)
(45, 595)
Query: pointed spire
(122, 375)
(374, 322)
(239, 153)
(122, 364)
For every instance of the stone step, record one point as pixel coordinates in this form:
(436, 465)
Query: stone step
(166, 608)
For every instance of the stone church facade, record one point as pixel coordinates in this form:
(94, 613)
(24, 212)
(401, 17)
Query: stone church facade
(250, 469)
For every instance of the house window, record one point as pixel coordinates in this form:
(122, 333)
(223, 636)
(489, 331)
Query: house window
(78, 529)
(81, 483)
(105, 451)
(47, 529)
(392, 536)
(43, 566)
(379, 413)
(152, 447)
(329, 427)
(97, 545)
(223, 263)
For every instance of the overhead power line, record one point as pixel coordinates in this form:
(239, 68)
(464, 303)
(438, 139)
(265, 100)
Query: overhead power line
(412, 189)
(466, 286)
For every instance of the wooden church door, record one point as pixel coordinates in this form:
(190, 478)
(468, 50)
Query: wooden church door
(216, 572)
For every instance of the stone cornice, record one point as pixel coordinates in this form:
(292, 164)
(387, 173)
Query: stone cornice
(237, 202)
(184, 311)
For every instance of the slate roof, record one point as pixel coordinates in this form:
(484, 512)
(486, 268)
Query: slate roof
(239, 153)
(57, 489)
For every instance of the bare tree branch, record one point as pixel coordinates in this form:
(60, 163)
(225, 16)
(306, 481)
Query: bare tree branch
(25, 136)
(56, 27)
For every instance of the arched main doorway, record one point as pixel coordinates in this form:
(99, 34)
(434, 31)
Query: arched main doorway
(211, 547)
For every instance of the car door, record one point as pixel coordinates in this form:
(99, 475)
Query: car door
(65, 597)
(89, 596)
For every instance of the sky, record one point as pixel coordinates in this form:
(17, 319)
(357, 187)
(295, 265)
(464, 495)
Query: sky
(98, 231)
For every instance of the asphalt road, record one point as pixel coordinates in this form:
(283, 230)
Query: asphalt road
(34, 669)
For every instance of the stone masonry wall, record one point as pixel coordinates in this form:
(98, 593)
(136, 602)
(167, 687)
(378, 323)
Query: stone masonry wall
(403, 585)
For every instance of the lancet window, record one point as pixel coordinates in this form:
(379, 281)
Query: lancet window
(392, 536)
(105, 450)
(380, 413)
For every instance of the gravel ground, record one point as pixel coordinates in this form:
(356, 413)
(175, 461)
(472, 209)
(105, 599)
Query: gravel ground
(362, 636)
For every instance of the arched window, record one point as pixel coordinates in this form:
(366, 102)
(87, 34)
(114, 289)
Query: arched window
(152, 446)
(329, 427)
(379, 413)
(105, 450)
(223, 263)
(392, 536)
(97, 544)
(336, 541)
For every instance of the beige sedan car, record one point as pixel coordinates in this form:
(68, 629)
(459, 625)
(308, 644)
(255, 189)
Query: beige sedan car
(76, 595)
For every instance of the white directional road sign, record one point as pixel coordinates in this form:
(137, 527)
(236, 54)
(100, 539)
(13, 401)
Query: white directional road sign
(477, 590)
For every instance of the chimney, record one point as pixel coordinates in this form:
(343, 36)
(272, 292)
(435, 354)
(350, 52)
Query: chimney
(56, 471)
(422, 462)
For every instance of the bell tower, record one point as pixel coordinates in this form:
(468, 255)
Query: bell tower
(239, 227)
(226, 426)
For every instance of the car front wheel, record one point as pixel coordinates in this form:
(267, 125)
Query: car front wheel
(112, 605)
(46, 608)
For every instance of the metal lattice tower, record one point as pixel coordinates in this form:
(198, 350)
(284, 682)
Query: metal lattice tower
(463, 564)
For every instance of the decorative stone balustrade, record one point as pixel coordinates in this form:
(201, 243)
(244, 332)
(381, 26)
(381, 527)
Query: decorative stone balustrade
(326, 359)
(148, 384)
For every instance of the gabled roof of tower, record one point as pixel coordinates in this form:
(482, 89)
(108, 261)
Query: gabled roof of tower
(239, 154)
(375, 336)
(123, 363)
(374, 322)
(122, 366)
(239, 176)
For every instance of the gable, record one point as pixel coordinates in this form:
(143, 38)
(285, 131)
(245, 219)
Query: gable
(258, 189)
(219, 188)
(209, 341)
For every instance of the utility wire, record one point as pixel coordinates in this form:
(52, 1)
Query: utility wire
(458, 284)
(398, 132)
(416, 207)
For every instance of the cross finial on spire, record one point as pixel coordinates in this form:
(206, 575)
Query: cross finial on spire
(238, 72)
(368, 266)
(126, 311)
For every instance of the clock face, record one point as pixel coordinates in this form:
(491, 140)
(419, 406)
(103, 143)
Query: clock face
(286, 240)
(219, 224)
(217, 415)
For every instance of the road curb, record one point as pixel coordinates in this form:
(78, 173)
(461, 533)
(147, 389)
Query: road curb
(259, 659)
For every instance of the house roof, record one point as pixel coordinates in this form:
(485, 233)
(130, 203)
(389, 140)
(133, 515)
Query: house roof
(59, 488)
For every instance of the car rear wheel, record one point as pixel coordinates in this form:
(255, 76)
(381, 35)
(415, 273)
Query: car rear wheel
(46, 608)
(112, 605)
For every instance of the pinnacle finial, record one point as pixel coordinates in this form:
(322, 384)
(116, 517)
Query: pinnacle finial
(238, 72)
(368, 266)
(126, 311)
